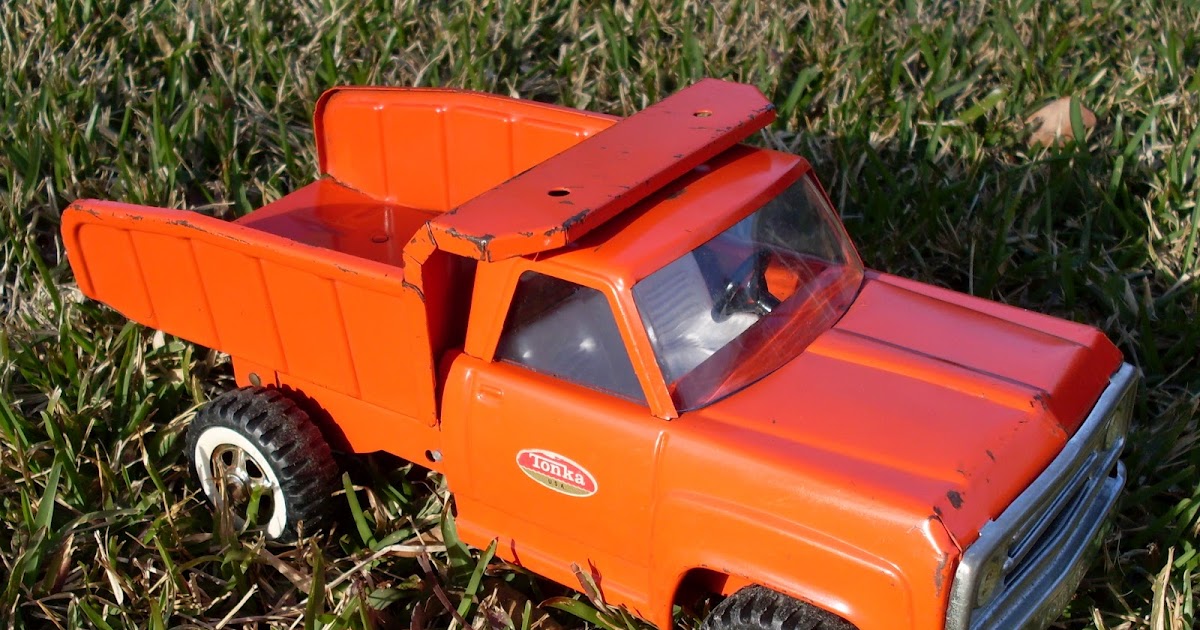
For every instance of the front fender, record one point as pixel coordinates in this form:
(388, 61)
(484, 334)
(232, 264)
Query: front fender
(783, 555)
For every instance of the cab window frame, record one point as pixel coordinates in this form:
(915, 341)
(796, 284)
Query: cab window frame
(634, 391)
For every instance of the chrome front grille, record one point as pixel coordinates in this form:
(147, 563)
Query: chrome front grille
(1057, 519)
(1045, 539)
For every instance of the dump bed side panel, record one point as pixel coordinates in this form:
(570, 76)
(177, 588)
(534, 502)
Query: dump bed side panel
(350, 325)
(435, 149)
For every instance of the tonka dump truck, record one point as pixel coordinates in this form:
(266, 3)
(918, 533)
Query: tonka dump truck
(639, 347)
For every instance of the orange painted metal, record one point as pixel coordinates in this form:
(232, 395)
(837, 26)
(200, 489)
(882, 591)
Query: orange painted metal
(852, 477)
(302, 311)
(436, 149)
(591, 182)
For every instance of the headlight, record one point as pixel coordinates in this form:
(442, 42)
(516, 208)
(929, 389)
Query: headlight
(1118, 426)
(991, 577)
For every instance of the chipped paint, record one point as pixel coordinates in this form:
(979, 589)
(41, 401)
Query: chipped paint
(480, 241)
(575, 219)
(955, 498)
(408, 285)
(939, 578)
(568, 223)
(945, 557)
(185, 223)
(86, 210)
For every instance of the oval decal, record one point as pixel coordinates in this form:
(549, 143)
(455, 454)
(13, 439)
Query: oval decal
(556, 472)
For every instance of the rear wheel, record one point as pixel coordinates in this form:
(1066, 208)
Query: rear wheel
(254, 450)
(758, 608)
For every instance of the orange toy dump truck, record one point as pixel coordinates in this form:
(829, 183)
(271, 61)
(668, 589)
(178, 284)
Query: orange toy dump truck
(637, 346)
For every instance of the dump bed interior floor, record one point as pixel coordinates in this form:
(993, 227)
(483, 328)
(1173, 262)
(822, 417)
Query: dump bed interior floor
(330, 215)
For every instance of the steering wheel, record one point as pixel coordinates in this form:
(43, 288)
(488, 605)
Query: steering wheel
(746, 291)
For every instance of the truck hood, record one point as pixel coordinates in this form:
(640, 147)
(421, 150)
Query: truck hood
(941, 402)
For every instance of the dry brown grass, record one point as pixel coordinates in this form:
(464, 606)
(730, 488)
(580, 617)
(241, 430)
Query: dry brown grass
(913, 114)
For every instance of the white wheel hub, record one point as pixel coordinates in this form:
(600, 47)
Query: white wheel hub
(224, 455)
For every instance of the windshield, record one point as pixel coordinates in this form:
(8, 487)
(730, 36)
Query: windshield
(738, 307)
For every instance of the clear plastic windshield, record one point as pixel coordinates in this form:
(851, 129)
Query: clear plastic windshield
(750, 299)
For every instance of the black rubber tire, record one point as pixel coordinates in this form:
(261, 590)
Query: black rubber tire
(290, 443)
(758, 608)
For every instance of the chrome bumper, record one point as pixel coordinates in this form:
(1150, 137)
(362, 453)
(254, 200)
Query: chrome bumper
(1050, 533)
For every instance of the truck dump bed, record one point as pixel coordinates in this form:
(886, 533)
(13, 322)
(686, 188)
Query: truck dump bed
(333, 216)
(351, 288)
(313, 285)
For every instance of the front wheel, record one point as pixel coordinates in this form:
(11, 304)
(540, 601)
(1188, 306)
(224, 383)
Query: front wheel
(758, 608)
(254, 450)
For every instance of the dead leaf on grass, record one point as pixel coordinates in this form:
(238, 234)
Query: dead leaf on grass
(1052, 123)
(501, 596)
(300, 579)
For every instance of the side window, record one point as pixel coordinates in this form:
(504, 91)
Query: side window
(567, 331)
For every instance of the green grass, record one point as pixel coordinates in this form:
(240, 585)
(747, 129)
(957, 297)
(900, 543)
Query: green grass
(912, 114)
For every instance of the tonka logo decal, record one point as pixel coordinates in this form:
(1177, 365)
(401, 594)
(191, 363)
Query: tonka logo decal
(556, 472)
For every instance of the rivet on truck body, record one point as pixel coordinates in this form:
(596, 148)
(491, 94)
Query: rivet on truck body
(255, 380)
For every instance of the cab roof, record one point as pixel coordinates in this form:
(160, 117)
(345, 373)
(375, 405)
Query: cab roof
(563, 198)
(684, 215)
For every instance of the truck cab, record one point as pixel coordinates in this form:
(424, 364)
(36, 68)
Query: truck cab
(643, 350)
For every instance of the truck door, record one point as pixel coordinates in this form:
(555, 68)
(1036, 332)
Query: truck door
(560, 444)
